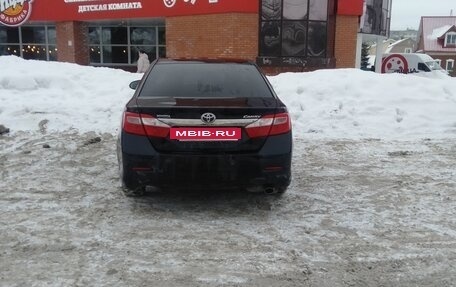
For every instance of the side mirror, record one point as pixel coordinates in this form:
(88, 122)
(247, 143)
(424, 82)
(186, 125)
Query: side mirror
(133, 85)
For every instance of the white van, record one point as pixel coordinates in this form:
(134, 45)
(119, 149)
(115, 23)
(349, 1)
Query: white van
(408, 63)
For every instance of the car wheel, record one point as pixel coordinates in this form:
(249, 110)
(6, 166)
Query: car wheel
(280, 190)
(129, 189)
(128, 186)
(132, 192)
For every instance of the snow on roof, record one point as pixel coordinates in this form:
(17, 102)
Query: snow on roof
(392, 45)
(384, 42)
(434, 27)
(438, 32)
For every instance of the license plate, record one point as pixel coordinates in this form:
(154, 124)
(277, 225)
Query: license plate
(206, 134)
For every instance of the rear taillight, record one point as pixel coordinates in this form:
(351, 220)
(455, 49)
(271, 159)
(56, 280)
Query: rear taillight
(144, 125)
(269, 125)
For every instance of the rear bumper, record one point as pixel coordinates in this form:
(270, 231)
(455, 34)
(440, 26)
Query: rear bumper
(144, 166)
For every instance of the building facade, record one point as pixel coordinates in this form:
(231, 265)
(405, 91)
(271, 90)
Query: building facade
(280, 35)
(437, 38)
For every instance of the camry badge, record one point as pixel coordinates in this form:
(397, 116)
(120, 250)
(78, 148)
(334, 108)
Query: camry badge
(208, 118)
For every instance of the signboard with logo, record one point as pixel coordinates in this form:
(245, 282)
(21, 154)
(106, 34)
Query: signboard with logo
(16, 12)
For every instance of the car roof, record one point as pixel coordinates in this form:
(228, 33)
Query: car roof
(203, 60)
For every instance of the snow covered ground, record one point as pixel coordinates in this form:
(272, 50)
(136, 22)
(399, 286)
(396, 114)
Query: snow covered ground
(345, 103)
(372, 202)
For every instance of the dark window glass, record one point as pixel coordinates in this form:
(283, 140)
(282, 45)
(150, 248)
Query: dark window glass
(205, 80)
(316, 44)
(150, 51)
(120, 44)
(162, 52)
(35, 52)
(318, 10)
(115, 54)
(271, 9)
(9, 35)
(114, 35)
(294, 38)
(51, 35)
(300, 30)
(384, 25)
(270, 38)
(295, 9)
(373, 17)
(95, 54)
(423, 67)
(33, 35)
(52, 53)
(3, 35)
(142, 36)
(161, 36)
(9, 50)
(94, 35)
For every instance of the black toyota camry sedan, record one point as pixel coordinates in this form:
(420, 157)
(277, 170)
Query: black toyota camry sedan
(202, 124)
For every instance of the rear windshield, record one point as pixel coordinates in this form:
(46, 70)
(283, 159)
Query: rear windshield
(205, 80)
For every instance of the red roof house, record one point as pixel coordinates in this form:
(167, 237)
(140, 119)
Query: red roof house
(437, 38)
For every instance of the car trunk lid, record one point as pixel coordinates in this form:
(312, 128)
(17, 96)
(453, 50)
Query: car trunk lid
(186, 114)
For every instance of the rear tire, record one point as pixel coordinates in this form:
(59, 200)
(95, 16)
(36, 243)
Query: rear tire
(132, 192)
(280, 190)
(129, 187)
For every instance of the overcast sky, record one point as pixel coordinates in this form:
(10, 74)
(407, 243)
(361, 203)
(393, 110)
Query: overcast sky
(407, 13)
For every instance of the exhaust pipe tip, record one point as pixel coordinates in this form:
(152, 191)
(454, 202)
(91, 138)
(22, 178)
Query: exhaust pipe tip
(270, 190)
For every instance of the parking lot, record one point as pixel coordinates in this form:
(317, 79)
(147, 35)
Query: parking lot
(358, 213)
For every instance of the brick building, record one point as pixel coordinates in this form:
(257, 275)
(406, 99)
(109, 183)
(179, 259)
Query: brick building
(280, 35)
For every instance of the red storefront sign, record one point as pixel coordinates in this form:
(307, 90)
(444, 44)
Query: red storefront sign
(15, 12)
(350, 7)
(87, 10)
(19, 11)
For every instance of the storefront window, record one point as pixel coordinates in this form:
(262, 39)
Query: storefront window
(33, 34)
(115, 54)
(142, 36)
(94, 35)
(95, 54)
(10, 50)
(35, 42)
(293, 28)
(9, 35)
(114, 35)
(52, 51)
(161, 36)
(295, 9)
(271, 10)
(376, 17)
(318, 10)
(162, 52)
(120, 45)
(52, 37)
(316, 47)
(34, 52)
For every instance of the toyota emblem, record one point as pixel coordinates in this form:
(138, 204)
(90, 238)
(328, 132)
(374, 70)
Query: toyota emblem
(208, 118)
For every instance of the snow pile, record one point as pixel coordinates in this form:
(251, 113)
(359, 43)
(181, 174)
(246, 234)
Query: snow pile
(349, 103)
(68, 96)
(344, 103)
(438, 32)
